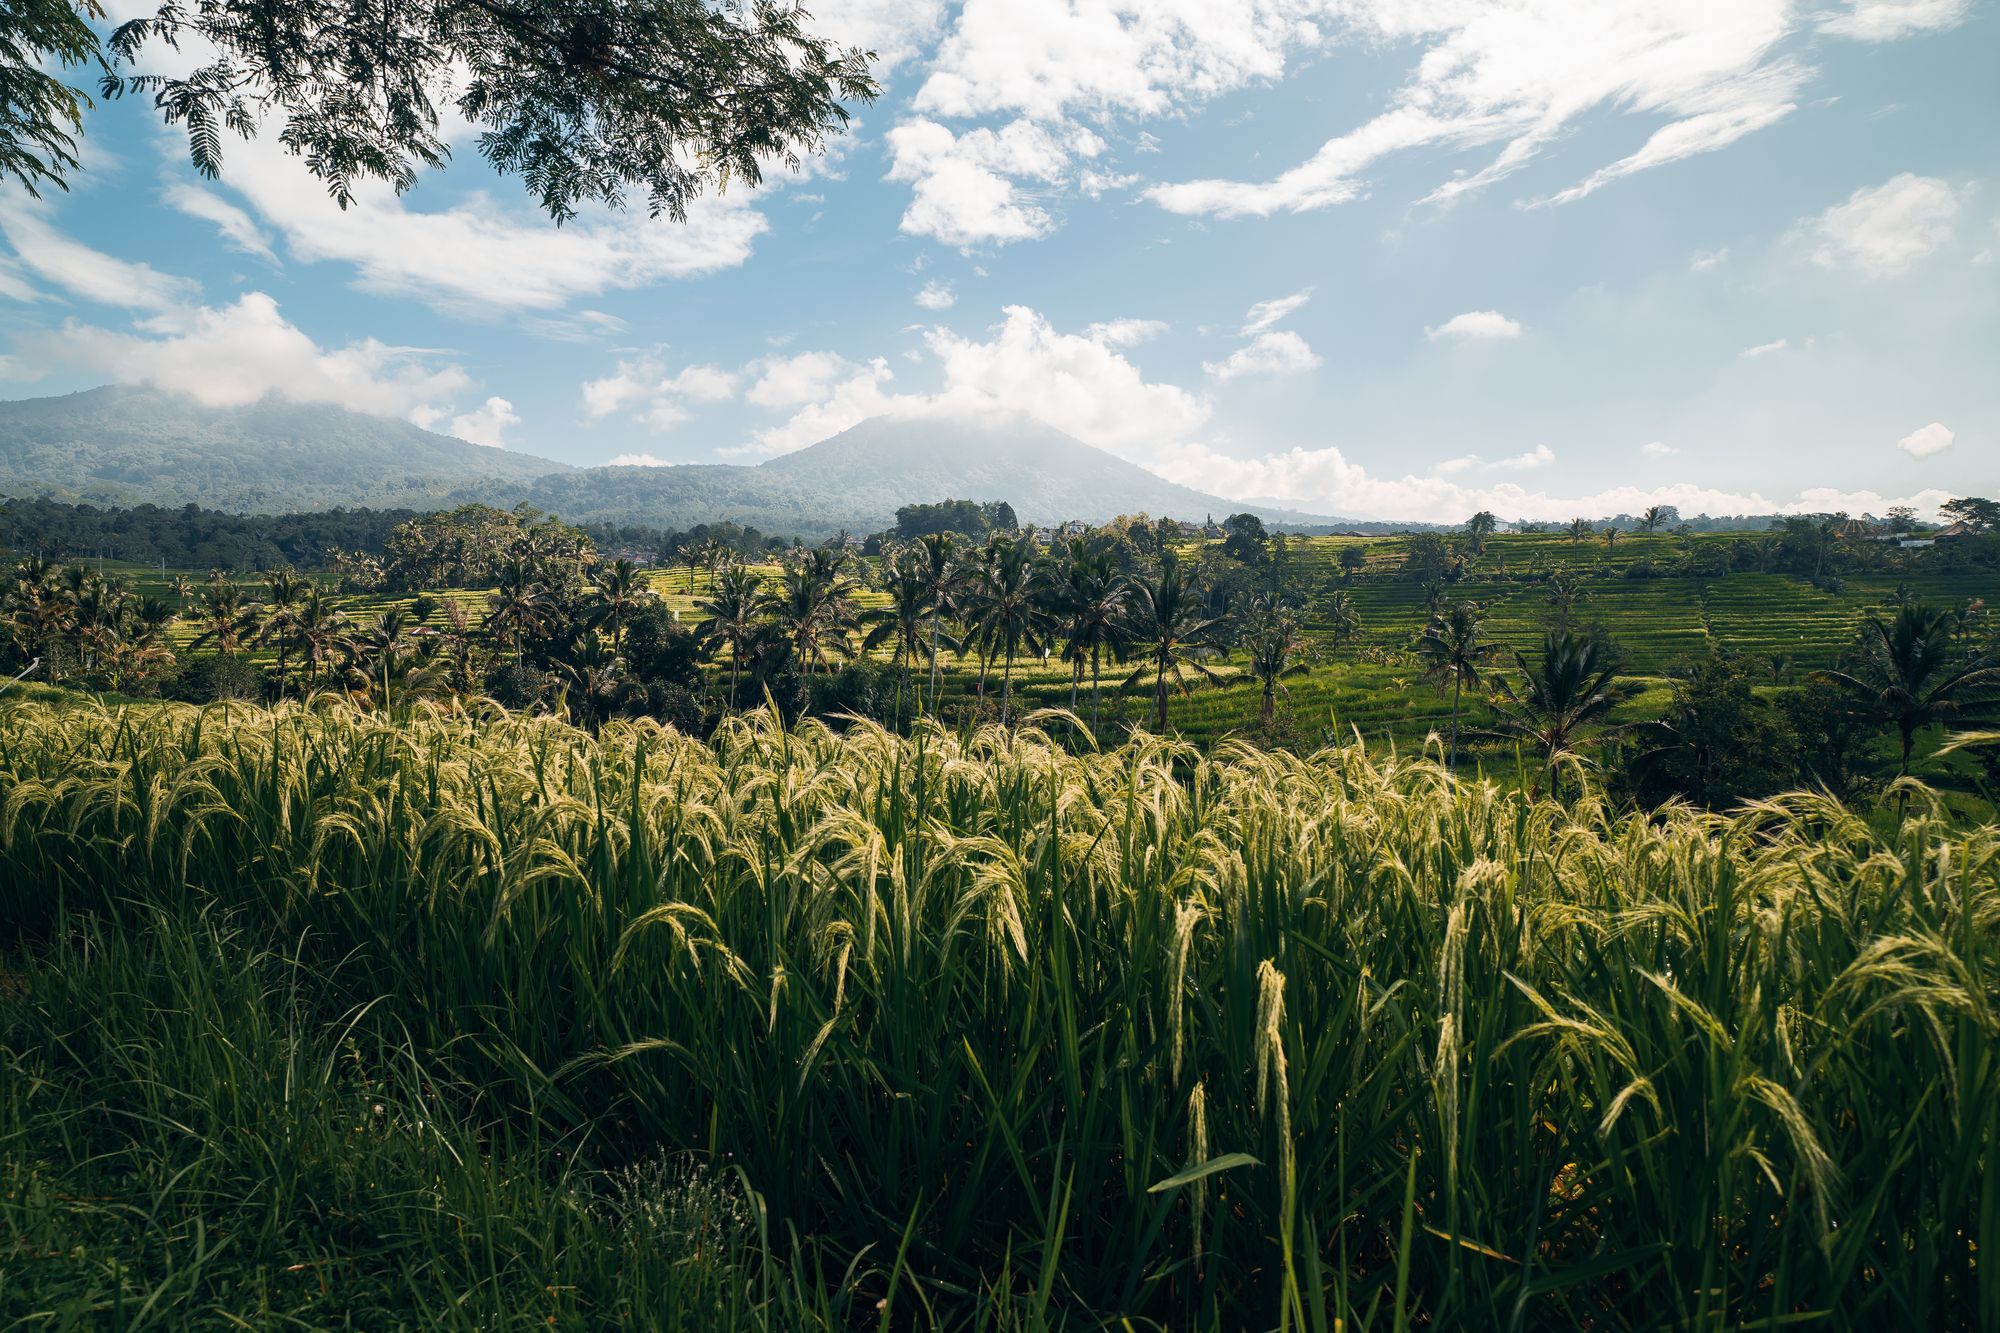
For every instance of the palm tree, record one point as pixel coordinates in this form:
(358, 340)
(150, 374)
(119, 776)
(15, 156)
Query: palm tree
(814, 608)
(519, 607)
(1006, 614)
(1653, 517)
(944, 583)
(1454, 648)
(733, 617)
(1579, 531)
(1170, 620)
(1572, 689)
(1909, 675)
(903, 621)
(1610, 536)
(621, 590)
(283, 591)
(1342, 617)
(1478, 528)
(1563, 592)
(321, 630)
(1275, 646)
(227, 619)
(1091, 597)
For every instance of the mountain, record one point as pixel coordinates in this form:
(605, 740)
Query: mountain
(859, 478)
(123, 446)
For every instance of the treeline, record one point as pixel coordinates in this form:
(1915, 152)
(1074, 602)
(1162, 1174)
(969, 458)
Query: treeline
(190, 537)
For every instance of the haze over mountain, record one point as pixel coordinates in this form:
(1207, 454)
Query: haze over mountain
(126, 446)
(122, 446)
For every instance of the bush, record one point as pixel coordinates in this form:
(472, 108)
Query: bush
(215, 678)
(517, 686)
(658, 648)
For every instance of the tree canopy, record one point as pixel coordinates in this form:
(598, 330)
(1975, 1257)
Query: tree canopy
(588, 101)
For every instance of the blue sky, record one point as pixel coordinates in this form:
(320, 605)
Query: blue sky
(1383, 258)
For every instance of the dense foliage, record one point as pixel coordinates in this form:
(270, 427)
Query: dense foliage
(996, 1034)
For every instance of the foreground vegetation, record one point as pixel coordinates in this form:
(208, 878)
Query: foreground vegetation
(420, 1017)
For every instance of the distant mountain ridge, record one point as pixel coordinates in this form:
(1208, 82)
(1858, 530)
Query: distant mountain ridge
(123, 446)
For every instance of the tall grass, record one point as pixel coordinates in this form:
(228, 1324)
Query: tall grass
(984, 1032)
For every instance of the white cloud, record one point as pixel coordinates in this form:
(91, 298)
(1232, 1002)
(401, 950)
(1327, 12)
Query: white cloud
(1520, 73)
(480, 255)
(55, 256)
(243, 352)
(1266, 314)
(1538, 457)
(645, 380)
(937, 296)
(1475, 325)
(1885, 228)
(1126, 332)
(1078, 383)
(894, 30)
(1053, 58)
(1886, 20)
(486, 423)
(1763, 349)
(1280, 352)
(14, 285)
(638, 460)
(1706, 261)
(236, 226)
(1657, 449)
(789, 381)
(1927, 440)
(1325, 481)
(966, 189)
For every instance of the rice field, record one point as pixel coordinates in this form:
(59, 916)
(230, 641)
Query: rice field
(440, 1019)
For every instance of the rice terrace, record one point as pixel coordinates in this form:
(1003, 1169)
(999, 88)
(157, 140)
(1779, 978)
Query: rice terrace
(955, 666)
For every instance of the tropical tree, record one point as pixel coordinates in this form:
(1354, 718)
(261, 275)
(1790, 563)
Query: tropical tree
(1341, 617)
(1909, 674)
(733, 618)
(944, 585)
(1478, 528)
(902, 622)
(1091, 598)
(519, 607)
(1580, 530)
(1555, 701)
(621, 590)
(1455, 650)
(1276, 647)
(814, 610)
(1655, 515)
(1005, 614)
(320, 630)
(1563, 592)
(1610, 536)
(284, 590)
(228, 620)
(1170, 625)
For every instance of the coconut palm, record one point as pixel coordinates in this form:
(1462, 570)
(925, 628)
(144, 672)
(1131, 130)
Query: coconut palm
(1579, 531)
(1275, 647)
(320, 629)
(284, 590)
(1005, 614)
(1653, 517)
(519, 607)
(733, 617)
(1909, 675)
(902, 622)
(814, 609)
(1170, 624)
(1610, 536)
(1341, 617)
(1454, 648)
(1478, 528)
(944, 586)
(621, 590)
(1563, 592)
(1090, 598)
(228, 621)
(1570, 691)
